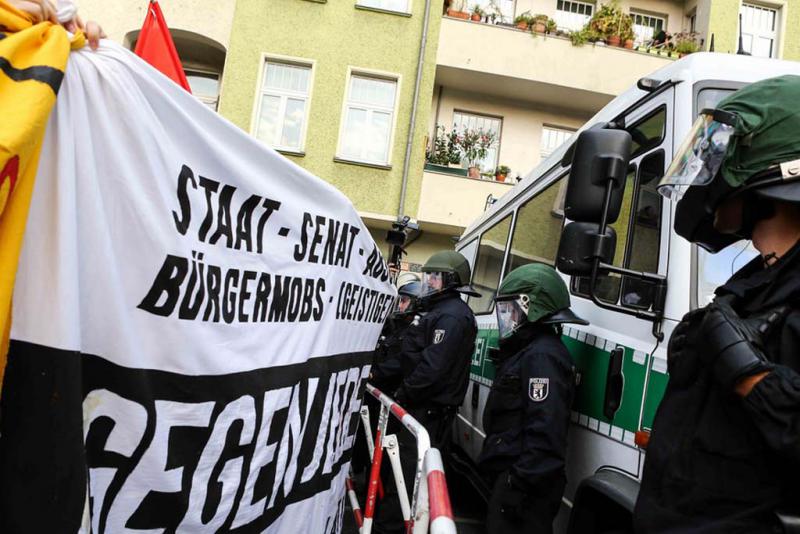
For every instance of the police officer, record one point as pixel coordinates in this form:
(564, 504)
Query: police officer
(437, 350)
(526, 417)
(724, 454)
(386, 369)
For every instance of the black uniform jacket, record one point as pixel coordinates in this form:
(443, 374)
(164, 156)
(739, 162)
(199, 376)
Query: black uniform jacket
(717, 462)
(527, 415)
(437, 352)
(386, 369)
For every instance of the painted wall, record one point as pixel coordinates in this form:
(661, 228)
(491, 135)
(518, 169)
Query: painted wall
(212, 19)
(337, 35)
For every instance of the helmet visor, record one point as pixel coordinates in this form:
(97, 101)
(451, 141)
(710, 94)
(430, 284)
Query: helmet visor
(512, 312)
(432, 282)
(699, 157)
(403, 303)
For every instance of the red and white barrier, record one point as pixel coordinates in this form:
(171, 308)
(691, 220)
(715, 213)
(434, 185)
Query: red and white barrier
(351, 496)
(430, 502)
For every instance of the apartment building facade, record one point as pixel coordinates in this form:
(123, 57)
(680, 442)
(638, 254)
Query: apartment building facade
(332, 84)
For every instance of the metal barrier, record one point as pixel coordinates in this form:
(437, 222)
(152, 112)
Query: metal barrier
(430, 501)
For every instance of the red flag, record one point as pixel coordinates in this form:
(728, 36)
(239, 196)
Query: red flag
(156, 47)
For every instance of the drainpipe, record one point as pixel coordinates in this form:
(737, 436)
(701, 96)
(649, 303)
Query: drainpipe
(412, 122)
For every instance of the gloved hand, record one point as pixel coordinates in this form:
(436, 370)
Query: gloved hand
(735, 345)
(682, 370)
(510, 496)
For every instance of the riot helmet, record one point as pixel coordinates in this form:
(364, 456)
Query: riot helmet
(407, 295)
(445, 271)
(748, 147)
(532, 293)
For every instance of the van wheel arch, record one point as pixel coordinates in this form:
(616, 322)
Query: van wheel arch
(604, 502)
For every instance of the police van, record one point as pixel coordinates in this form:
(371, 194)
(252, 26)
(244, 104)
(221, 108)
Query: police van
(621, 355)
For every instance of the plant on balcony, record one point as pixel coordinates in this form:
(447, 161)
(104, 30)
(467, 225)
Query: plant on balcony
(477, 13)
(579, 37)
(539, 23)
(523, 20)
(444, 149)
(551, 26)
(456, 9)
(611, 24)
(501, 172)
(685, 43)
(474, 146)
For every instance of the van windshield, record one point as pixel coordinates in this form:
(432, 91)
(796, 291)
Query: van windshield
(713, 270)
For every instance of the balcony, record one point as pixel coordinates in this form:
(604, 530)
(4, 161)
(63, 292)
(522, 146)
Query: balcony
(448, 203)
(543, 70)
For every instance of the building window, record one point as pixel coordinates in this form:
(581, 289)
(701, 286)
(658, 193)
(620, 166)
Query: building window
(552, 138)
(401, 6)
(205, 86)
(368, 119)
(759, 30)
(573, 16)
(646, 26)
(283, 105)
(469, 121)
(692, 21)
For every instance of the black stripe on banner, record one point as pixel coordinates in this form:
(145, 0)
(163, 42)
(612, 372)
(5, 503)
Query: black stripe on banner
(41, 73)
(307, 413)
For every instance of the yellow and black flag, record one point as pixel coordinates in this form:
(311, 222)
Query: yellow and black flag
(32, 62)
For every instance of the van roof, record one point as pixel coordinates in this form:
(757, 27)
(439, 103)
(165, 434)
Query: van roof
(691, 69)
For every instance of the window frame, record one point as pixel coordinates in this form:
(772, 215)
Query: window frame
(778, 24)
(590, 5)
(260, 92)
(359, 4)
(375, 74)
(485, 116)
(554, 128)
(201, 71)
(650, 15)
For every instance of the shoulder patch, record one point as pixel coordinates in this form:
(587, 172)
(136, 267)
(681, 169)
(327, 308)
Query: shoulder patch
(438, 336)
(538, 388)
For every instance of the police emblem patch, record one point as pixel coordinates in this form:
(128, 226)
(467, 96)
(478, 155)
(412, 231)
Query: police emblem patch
(538, 388)
(438, 336)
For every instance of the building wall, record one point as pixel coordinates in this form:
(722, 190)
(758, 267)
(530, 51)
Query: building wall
(336, 35)
(118, 17)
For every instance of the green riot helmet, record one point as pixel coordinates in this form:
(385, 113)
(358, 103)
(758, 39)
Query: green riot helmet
(532, 293)
(749, 145)
(446, 270)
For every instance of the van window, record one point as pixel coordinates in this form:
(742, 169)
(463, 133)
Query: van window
(638, 228)
(649, 132)
(488, 264)
(537, 229)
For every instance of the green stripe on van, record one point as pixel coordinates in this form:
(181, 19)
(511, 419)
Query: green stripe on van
(591, 356)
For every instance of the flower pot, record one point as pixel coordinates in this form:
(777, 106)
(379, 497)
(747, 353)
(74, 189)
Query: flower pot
(454, 165)
(539, 27)
(474, 172)
(457, 14)
(629, 43)
(500, 177)
(613, 40)
(475, 17)
(522, 26)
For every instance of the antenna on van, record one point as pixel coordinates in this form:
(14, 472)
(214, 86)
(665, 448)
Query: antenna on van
(741, 51)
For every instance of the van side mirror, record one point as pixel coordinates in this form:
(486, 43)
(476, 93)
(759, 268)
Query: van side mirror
(601, 159)
(580, 243)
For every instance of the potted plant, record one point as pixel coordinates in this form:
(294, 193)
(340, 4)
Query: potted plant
(501, 172)
(456, 10)
(579, 37)
(523, 20)
(685, 43)
(610, 23)
(474, 146)
(540, 23)
(477, 13)
(551, 26)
